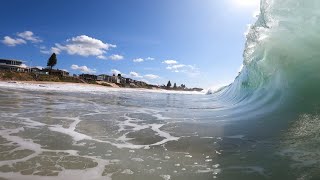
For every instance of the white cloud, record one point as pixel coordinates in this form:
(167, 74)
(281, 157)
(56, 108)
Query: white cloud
(138, 60)
(55, 50)
(170, 62)
(21, 39)
(174, 66)
(189, 69)
(102, 57)
(116, 57)
(115, 71)
(12, 42)
(150, 59)
(52, 50)
(83, 69)
(135, 75)
(84, 46)
(151, 76)
(46, 52)
(28, 35)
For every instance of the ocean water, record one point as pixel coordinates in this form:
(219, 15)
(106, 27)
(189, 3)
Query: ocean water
(265, 125)
(78, 132)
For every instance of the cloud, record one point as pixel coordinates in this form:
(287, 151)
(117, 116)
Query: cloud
(150, 59)
(189, 69)
(135, 75)
(170, 62)
(28, 35)
(175, 66)
(83, 69)
(138, 60)
(116, 57)
(46, 51)
(21, 39)
(151, 76)
(83, 46)
(12, 42)
(147, 76)
(115, 71)
(102, 57)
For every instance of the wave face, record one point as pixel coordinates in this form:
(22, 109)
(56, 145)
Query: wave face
(281, 57)
(280, 79)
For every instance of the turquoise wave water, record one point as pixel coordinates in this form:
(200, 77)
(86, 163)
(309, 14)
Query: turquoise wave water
(280, 80)
(281, 57)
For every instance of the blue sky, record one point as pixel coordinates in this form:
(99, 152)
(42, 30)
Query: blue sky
(194, 42)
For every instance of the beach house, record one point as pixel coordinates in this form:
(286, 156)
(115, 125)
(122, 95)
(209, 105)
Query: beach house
(88, 77)
(104, 77)
(115, 79)
(56, 72)
(13, 65)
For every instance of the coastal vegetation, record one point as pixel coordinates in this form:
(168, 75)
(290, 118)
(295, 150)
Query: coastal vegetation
(52, 61)
(23, 76)
(169, 85)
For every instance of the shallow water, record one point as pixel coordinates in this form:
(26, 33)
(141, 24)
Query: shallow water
(139, 135)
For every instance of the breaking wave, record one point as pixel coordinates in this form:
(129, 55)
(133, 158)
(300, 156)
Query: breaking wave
(281, 57)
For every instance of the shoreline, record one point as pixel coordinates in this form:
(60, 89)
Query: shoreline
(81, 87)
(33, 78)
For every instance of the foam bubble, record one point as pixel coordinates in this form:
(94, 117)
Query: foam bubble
(127, 171)
(166, 177)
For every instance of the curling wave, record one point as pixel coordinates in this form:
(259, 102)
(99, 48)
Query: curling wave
(281, 57)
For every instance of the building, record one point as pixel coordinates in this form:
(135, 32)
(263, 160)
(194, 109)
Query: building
(129, 80)
(56, 72)
(88, 77)
(115, 79)
(104, 77)
(13, 65)
(122, 80)
(36, 70)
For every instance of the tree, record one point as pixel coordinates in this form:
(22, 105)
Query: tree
(52, 61)
(169, 85)
(174, 86)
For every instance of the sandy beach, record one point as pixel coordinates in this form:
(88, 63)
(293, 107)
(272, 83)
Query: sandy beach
(81, 87)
